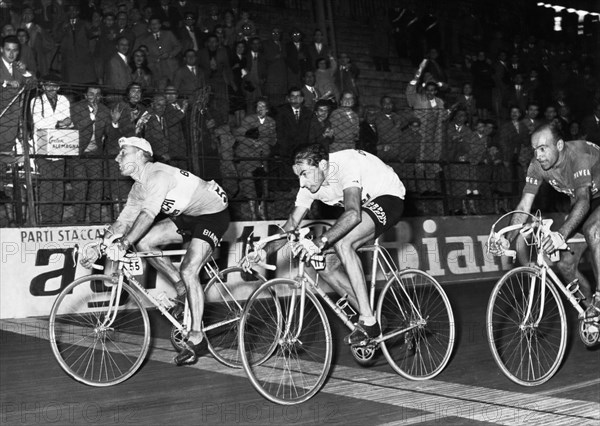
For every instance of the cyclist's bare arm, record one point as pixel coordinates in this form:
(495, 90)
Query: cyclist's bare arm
(578, 212)
(142, 224)
(292, 223)
(349, 219)
(524, 206)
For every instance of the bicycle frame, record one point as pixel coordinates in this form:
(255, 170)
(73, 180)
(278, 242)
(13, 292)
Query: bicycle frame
(123, 273)
(383, 263)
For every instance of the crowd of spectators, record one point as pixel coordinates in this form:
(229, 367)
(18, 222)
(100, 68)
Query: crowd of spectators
(141, 65)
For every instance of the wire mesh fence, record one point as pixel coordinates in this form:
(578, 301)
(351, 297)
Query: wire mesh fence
(61, 167)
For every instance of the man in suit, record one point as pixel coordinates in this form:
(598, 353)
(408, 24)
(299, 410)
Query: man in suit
(297, 58)
(93, 120)
(320, 130)
(590, 126)
(175, 113)
(123, 29)
(346, 76)
(517, 94)
(309, 91)
(214, 62)
(188, 78)
(77, 61)
(13, 75)
(163, 50)
(153, 127)
(276, 86)
(169, 15)
(117, 73)
(189, 36)
(293, 121)
(256, 74)
(318, 48)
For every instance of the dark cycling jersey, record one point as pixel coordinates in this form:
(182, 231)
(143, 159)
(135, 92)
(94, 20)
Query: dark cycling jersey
(578, 167)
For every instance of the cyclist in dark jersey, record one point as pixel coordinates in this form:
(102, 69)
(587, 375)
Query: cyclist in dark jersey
(572, 168)
(195, 207)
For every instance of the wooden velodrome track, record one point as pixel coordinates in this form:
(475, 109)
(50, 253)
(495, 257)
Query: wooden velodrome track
(471, 390)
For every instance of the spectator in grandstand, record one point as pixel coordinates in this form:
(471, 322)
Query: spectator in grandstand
(320, 130)
(590, 126)
(430, 111)
(168, 15)
(123, 30)
(39, 40)
(246, 22)
(214, 62)
(324, 79)
(297, 58)
(502, 81)
(551, 116)
(163, 50)
(13, 76)
(293, 123)
(276, 84)
(92, 119)
(188, 78)
(389, 126)
(77, 63)
(137, 23)
(139, 70)
(8, 30)
(117, 73)
(574, 131)
(411, 142)
(367, 131)
(255, 138)
(483, 84)
(346, 76)
(189, 35)
(457, 135)
(229, 28)
(237, 98)
(517, 93)
(255, 75)
(153, 127)
(50, 111)
(309, 91)
(26, 55)
(105, 46)
(345, 124)
(468, 103)
(175, 114)
(318, 48)
(434, 67)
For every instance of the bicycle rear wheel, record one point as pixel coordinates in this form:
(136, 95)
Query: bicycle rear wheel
(417, 303)
(295, 368)
(527, 353)
(89, 346)
(223, 311)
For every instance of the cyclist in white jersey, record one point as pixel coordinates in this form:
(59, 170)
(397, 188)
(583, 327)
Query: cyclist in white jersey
(373, 199)
(188, 206)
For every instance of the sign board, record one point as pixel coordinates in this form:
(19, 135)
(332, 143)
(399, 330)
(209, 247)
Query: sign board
(57, 142)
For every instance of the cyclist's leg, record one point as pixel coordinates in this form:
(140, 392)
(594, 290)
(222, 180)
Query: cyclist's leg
(352, 277)
(591, 232)
(162, 233)
(568, 267)
(197, 255)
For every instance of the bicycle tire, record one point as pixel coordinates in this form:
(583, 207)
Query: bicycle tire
(297, 367)
(226, 310)
(422, 352)
(528, 355)
(87, 351)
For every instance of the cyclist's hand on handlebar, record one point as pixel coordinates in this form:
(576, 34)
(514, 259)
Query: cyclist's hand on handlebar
(553, 241)
(116, 251)
(90, 253)
(498, 245)
(305, 249)
(254, 258)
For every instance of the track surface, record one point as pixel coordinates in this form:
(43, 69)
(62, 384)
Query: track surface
(471, 390)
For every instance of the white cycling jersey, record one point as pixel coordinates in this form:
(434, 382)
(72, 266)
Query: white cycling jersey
(354, 168)
(173, 191)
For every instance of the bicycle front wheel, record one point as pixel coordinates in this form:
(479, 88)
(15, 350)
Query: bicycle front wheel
(416, 316)
(89, 344)
(223, 311)
(293, 369)
(526, 326)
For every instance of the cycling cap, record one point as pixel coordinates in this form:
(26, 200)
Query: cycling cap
(140, 143)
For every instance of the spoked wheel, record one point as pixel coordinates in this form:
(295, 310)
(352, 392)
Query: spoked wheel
(223, 311)
(418, 325)
(87, 342)
(364, 355)
(295, 368)
(589, 333)
(527, 331)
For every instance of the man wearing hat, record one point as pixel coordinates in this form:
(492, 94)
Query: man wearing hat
(50, 111)
(196, 209)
